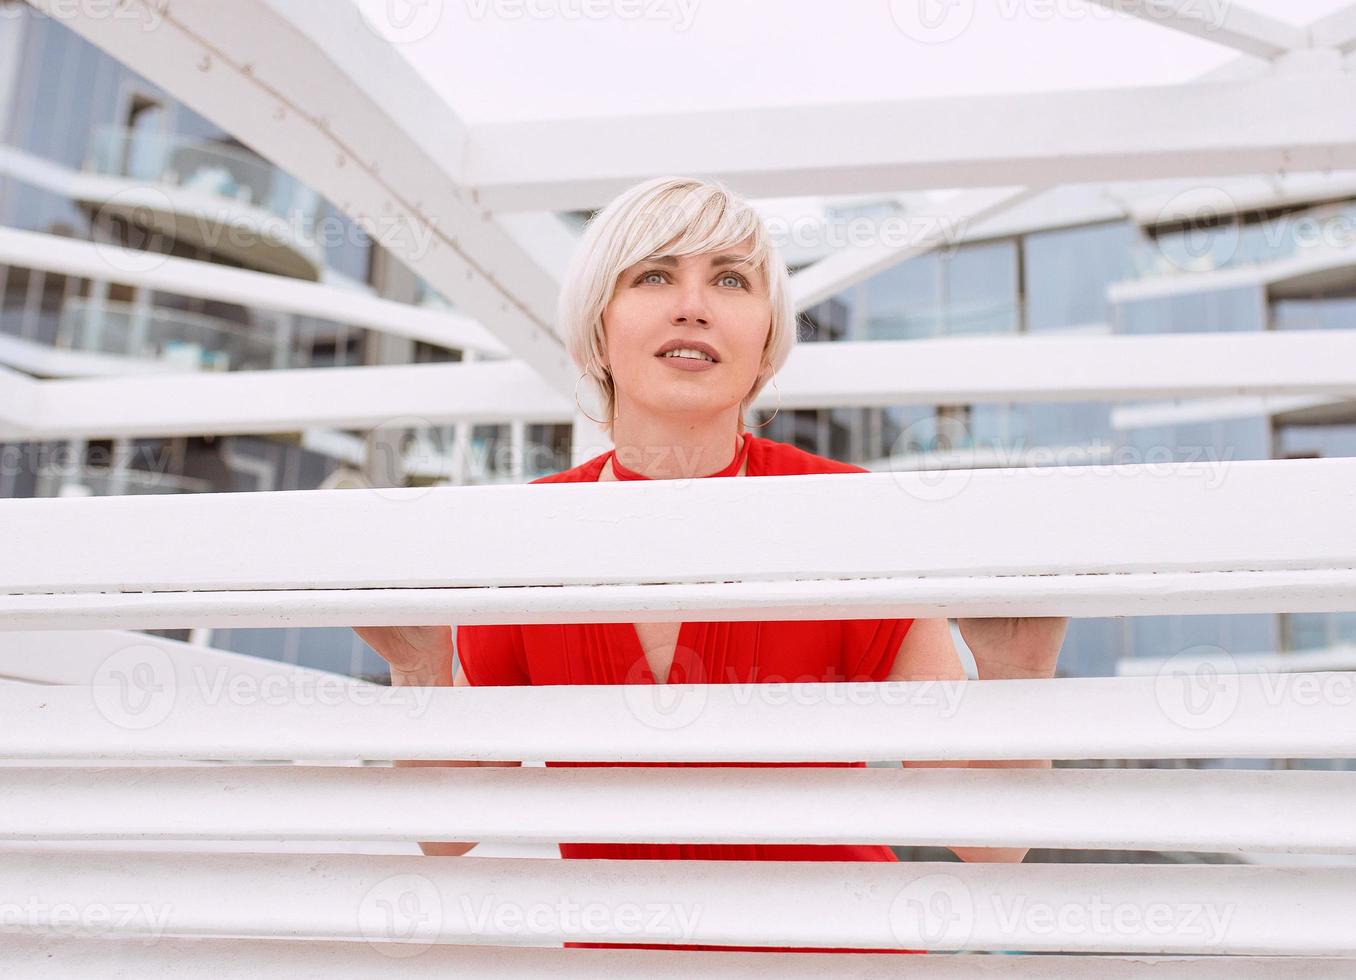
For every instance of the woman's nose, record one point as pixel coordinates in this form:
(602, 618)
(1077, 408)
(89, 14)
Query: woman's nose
(690, 306)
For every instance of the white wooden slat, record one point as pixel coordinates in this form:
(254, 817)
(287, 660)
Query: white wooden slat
(1121, 594)
(317, 960)
(67, 958)
(1230, 811)
(144, 715)
(1063, 908)
(1084, 521)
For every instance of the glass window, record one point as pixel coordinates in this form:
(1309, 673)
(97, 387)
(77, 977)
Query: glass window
(904, 301)
(1322, 313)
(1067, 273)
(979, 289)
(1241, 309)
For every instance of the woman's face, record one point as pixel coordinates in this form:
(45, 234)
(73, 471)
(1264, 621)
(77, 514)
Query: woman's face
(694, 300)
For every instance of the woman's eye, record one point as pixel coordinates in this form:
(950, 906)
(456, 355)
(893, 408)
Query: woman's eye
(738, 279)
(645, 276)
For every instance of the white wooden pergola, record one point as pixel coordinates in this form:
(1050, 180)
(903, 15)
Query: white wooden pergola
(137, 769)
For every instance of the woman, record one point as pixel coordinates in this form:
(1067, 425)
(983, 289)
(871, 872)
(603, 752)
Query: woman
(677, 307)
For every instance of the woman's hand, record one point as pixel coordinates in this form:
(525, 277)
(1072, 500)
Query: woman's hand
(1011, 648)
(410, 649)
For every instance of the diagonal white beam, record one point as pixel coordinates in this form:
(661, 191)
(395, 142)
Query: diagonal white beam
(947, 225)
(971, 214)
(1231, 24)
(315, 91)
(1336, 30)
(210, 280)
(1096, 808)
(1249, 126)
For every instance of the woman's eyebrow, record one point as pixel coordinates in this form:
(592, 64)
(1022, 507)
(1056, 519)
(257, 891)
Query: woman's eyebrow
(715, 260)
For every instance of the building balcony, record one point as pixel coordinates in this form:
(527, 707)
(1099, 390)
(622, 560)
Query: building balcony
(190, 341)
(1297, 253)
(205, 194)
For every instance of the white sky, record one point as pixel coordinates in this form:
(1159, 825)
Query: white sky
(531, 59)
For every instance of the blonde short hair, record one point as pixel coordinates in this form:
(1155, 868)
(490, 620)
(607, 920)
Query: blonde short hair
(675, 216)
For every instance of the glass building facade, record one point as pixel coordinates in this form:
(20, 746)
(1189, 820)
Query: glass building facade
(65, 104)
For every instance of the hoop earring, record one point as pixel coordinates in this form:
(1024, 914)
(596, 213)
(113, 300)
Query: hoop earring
(581, 407)
(775, 411)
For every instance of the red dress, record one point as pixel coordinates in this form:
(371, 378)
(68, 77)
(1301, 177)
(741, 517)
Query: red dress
(721, 653)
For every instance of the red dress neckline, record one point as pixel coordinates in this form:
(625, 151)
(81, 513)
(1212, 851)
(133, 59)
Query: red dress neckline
(622, 473)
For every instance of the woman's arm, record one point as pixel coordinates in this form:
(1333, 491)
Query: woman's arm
(928, 653)
(438, 674)
(1014, 647)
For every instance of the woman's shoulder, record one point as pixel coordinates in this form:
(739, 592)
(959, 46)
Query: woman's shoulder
(770, 458)
(586, 472)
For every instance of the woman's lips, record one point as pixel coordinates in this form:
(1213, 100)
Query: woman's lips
(687, 363)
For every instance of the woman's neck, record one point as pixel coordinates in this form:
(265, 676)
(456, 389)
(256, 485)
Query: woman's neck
(665, 450)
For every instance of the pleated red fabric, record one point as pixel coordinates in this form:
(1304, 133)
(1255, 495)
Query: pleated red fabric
(710, 653)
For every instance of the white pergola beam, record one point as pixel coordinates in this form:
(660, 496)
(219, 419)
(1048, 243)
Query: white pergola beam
(1000, 369)
(196, 403)
(142, 714)
(1336, 30)
(208, 546)
(18, 401)
(63, 957)
(1062, 808)
(1231, 24)
(993, 369)
(1040, 139)
(336, 105)
(785, 903)
(211, 280)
